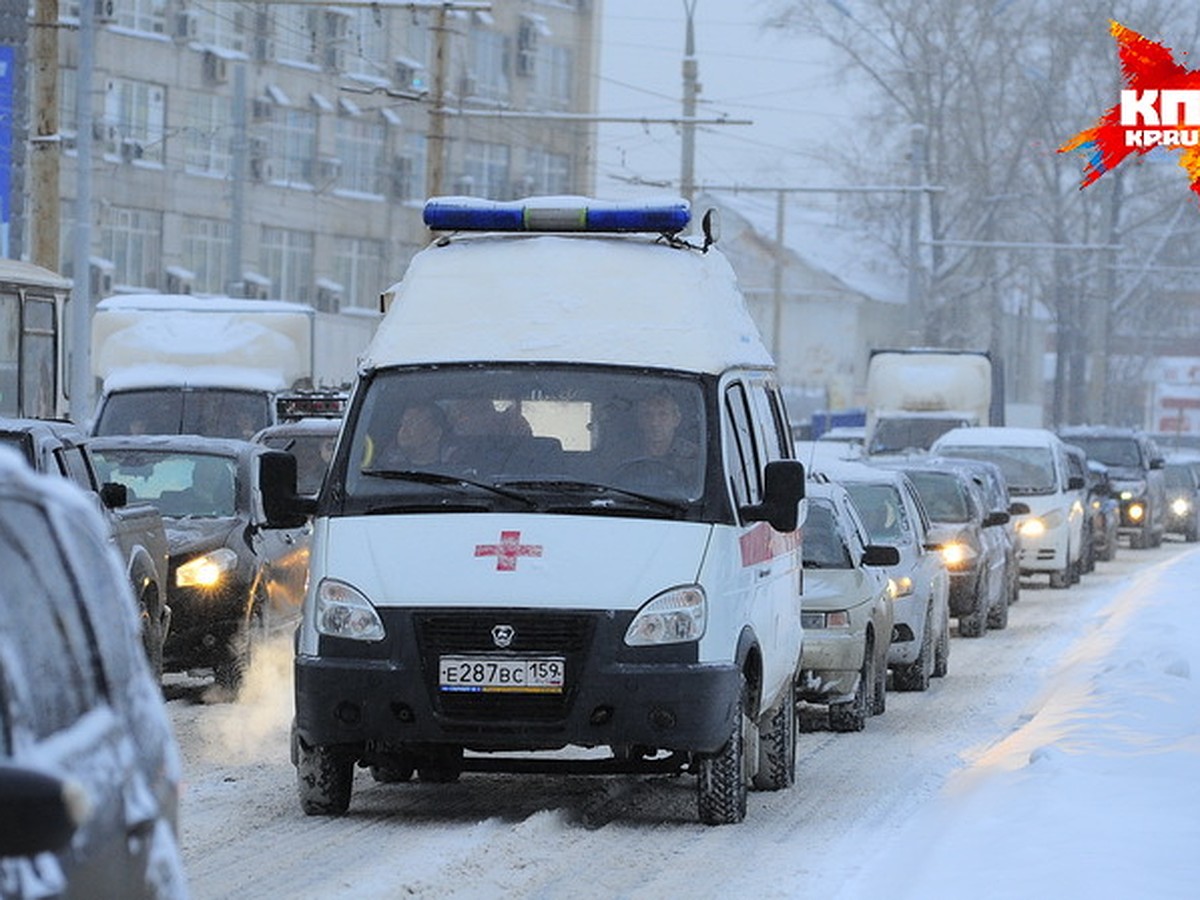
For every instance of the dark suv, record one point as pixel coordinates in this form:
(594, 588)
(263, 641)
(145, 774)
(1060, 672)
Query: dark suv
(1135, 467)
(89, 768)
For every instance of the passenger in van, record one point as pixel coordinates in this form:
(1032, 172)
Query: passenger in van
(420, 438)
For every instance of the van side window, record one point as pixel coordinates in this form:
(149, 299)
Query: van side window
(42, 603)
(747, 474)
(783, 434)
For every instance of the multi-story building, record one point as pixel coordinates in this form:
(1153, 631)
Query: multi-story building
(304, 132)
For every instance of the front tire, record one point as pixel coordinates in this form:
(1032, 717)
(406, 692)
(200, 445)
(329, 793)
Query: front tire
(777, 744)
(997, 617)
(1062, 578)
(325, 778)
(721, 778)
(853, 714)
(941, 657)
(916, 675)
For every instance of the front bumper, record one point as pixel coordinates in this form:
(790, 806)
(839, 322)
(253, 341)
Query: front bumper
(614, 695)
(830, 664)
(203, 623)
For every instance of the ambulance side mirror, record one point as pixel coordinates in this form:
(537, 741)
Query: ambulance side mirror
(783, 489)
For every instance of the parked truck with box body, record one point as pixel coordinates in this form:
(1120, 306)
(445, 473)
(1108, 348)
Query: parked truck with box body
(219, 366)
(916, 395)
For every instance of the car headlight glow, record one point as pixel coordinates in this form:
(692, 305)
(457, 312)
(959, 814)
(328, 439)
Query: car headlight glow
(345, 612)
(1136, 511)
(958, 554)
(1032, 528)
(900, 587)
(206, 571)
(1180, 506)
(673, 617)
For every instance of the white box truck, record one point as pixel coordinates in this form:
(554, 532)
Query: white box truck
(916, 395)
(219, 366)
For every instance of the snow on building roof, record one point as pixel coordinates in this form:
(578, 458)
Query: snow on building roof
(601, 299)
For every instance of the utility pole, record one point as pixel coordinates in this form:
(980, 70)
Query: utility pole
(435, 172)
(691, 88)
(80, 322)
(45, 143)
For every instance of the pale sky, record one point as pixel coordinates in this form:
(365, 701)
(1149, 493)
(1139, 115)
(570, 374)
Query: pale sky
(744, 73)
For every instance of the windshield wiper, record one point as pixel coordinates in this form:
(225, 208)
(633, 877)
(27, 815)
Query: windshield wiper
(440, 478)
(590, 487)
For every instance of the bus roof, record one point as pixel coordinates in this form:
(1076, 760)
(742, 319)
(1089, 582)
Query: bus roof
(16, 271)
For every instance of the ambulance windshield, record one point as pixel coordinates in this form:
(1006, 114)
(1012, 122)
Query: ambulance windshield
(608, 437)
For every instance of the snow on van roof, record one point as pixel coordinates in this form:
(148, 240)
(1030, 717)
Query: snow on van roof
(598, 299)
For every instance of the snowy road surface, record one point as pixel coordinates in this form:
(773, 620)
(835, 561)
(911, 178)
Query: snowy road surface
(857, 795)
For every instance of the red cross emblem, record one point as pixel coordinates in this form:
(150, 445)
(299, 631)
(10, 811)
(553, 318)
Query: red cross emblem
(507, 551)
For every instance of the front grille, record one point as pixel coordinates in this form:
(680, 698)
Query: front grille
(535, 634)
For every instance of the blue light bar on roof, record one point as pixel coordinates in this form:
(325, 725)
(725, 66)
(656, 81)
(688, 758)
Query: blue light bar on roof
(556, 214)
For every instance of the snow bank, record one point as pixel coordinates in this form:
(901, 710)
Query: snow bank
(1096, 795)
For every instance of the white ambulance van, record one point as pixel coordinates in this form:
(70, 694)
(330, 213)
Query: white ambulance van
(563, 513)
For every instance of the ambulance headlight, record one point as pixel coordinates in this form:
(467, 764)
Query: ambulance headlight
(673, 617)
(343, 612)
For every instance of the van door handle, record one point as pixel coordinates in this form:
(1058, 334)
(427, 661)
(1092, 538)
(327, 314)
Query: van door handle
(764, 572)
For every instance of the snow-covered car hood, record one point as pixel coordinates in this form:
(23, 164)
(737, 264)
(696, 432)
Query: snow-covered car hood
(193, 534)
(502, 559)
(830, 589)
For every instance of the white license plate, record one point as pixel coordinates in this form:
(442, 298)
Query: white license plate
(530, 675)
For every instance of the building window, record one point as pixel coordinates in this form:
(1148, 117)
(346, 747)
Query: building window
(486, 170)
(67, 95)
(366, 43)
(149, 16)
(134, 120)
(360, 144)
(206, 253)
(294, 145)
(553, 78)
(224, 25)
(408, 173)
(207, 136)
(547, 173)
(132, 240)
(287, 259)
(488, 66)
(296, 34)
(358, 267)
